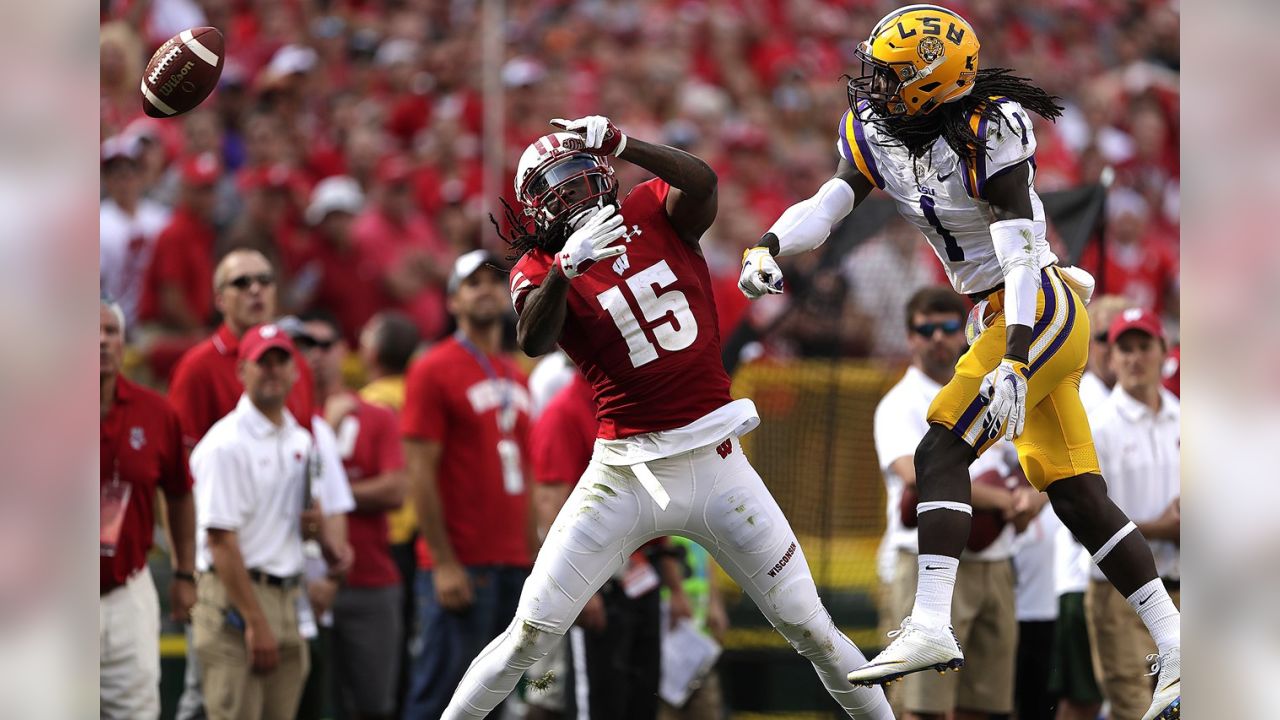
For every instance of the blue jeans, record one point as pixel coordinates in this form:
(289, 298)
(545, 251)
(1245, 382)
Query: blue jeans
(446, 642)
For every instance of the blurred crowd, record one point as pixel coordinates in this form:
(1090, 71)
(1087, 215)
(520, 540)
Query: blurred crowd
(422, 122)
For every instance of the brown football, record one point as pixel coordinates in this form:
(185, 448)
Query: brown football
(986, 524)
(183, 72)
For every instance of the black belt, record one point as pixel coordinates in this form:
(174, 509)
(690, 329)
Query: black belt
(266, 578)
(274, 580)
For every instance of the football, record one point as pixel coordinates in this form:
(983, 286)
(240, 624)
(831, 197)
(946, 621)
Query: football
(183, 72)
(986, 524)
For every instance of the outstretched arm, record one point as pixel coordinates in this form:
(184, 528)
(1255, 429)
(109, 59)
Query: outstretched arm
(692, 201)
(691, 204)
(802, 227)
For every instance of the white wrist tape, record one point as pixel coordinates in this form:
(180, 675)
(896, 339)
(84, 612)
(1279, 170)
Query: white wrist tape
(806, 225)
(1015, 246)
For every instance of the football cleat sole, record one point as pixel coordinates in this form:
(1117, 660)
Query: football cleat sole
(1173, 712)
(941, 668)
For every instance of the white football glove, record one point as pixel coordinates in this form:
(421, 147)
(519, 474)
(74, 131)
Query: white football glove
(760, 274)
(589, 243)
(1007, 410)
(599, 135)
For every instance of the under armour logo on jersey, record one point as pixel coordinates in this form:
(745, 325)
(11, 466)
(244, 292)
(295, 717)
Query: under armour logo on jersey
(635, 231)
(725, 448)
(621, 264)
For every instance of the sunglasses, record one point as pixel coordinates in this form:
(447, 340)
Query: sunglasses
(1101, 337)
(948, 327)
(244, 282)
(306, 342)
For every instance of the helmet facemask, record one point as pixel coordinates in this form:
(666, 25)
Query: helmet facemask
(565, 189)
(880, 83)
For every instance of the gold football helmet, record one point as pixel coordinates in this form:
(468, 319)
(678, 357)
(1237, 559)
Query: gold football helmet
(916, 58)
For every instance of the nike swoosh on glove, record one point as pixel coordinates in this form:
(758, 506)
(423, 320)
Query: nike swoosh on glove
(760, 273)
(1007, 410)
(599, 135)
(589, 244)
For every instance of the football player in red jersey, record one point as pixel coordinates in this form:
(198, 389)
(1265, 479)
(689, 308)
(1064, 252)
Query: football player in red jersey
(624, 290)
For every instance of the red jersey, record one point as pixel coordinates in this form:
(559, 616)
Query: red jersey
(206, 386)
(183, 257)
(369, 440)
(641, 328)
(563, 435)
(141, 439)
(451, 399)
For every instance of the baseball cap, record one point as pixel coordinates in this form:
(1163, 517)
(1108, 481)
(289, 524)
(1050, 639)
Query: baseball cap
(120, 146)
(200, 170)
(261, 338)
(522, 72)
(334, 194)
(1136, 319)
(467, 264)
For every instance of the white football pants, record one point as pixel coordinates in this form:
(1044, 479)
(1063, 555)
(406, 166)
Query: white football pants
(717, 500)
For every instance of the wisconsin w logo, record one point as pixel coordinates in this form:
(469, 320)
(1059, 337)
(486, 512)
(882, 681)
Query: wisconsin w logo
(621, 265)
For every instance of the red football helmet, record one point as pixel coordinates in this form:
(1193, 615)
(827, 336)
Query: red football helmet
(556, 179)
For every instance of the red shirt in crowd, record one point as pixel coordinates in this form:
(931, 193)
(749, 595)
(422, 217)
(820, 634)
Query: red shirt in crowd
(206, 386)
(452, 400)
(369, 438)
(389, 244)
(141, 439)
(1144, 272)
(183, 258)
(652, 355)
(343, 280)
(563, 435)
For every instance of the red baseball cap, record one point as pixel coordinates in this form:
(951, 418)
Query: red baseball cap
(201, 170)
(1136, 319)
(393, 170)
(261, 338)
(273, 177)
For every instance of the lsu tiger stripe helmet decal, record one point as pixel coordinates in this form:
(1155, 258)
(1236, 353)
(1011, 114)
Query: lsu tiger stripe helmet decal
(916, 58)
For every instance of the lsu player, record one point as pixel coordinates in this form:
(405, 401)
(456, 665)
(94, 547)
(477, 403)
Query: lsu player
(624, 290)
(952, 144)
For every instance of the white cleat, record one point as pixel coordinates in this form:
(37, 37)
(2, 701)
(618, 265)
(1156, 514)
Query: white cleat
(915, 648)
(1167, 702)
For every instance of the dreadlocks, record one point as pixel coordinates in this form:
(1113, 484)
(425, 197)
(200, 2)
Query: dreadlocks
(522, 240)
(951, 121)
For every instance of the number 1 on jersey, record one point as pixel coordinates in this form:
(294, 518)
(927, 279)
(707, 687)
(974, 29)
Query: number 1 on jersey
(954, 252)
(678, 328)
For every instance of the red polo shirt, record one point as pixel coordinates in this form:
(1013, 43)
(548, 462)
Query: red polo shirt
(183, 257)
(369, 438)
(142, 438)
(206, 386)
(450, 399)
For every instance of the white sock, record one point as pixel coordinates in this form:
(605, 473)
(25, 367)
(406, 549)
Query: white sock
(1155, 607)
(933, 591)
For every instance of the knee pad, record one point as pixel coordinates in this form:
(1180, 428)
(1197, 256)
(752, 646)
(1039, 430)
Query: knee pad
(740, 521)
(802, 620)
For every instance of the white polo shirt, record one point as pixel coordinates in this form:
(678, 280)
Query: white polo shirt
(1139, 450)
(1071, 560)
(250, 477)
(901, 421)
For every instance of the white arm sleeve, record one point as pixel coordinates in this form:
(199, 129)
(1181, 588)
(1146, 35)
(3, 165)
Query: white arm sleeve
(806, 225)
(1015, 245)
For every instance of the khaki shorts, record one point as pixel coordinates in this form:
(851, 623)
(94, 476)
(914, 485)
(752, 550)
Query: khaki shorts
(232, 691)
(1120, 643)
(984, 618)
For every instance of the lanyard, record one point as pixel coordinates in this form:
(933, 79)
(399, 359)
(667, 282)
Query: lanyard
(506, 413)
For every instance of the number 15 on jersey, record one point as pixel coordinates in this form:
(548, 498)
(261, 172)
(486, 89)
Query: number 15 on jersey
(672, 323)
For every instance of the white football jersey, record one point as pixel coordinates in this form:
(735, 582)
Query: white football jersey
(940, 193)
